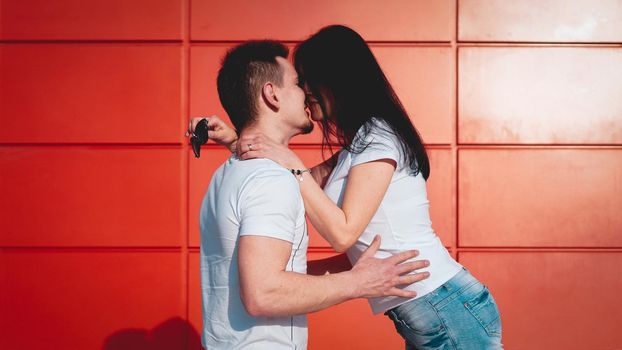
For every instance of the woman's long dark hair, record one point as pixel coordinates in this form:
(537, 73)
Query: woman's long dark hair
(336, 61)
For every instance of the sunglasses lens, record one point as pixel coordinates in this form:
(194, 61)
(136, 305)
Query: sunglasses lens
(199, 137)
(201, 131)
(196, 146)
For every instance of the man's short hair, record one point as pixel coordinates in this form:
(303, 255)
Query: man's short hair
(243, 72)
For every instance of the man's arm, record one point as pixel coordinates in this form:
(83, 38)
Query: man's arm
(268, 290)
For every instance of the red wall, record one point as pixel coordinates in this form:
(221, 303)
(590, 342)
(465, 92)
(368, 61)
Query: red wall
(519, 102)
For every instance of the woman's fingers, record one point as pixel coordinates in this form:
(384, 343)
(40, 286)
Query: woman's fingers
(250, 147)
(250, 143)
(249, 155)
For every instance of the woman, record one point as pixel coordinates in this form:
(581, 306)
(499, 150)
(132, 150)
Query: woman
(377, 185)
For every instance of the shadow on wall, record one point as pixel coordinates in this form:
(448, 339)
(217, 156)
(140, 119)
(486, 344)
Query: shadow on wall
(172, 334)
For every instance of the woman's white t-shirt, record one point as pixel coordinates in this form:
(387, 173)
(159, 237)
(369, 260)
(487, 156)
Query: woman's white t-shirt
(403, 218)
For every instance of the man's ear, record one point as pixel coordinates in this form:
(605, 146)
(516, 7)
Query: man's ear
(269, 96)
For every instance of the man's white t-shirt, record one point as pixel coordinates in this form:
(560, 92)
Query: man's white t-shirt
(254, 197)
(403, 218)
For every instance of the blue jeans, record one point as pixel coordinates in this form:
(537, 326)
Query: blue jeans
(461, 314)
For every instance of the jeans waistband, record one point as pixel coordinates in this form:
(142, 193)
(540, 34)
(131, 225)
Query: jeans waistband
(461, 280)
(447, 291)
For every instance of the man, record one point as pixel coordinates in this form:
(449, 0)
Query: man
(253, 232)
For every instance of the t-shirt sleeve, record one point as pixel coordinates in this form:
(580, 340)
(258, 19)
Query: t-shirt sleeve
(269, 206)
(378, 144)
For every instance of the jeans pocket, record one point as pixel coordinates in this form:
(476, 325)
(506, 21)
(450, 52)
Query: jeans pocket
(483, 307)
(417, 316)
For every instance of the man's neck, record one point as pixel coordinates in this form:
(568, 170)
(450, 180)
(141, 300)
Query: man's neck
(273, 132)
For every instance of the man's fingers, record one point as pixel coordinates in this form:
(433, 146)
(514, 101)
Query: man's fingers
(192, 124)
(189, 128)
(214, 122)
(403, 256)
(402, 293)
(215, 134)
(411, 266)
(373, 248)
(410, 279)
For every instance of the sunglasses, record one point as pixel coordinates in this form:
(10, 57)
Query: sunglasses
(199, 137)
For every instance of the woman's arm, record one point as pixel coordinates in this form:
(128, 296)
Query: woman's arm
(366, 186)
(365, 189)
(321, 171)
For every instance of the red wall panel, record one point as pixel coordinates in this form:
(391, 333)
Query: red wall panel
(95, 19)
(76, 300)
(540, 20)
(204, 65)
(350, 325)
(104, 93)
(441, 189)
(90, 196)
(393, 20)
(194, 291)
(552, 95)
(540, 197)
(553, 300)
(423, 78)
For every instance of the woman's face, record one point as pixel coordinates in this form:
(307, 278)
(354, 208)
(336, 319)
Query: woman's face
(313, 102)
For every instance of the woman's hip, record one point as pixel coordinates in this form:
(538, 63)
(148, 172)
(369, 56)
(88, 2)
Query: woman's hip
(460, 314)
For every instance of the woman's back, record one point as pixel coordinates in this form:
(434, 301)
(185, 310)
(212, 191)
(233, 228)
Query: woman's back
(402, 219)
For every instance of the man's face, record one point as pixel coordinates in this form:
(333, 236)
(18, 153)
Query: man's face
(293, 106)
